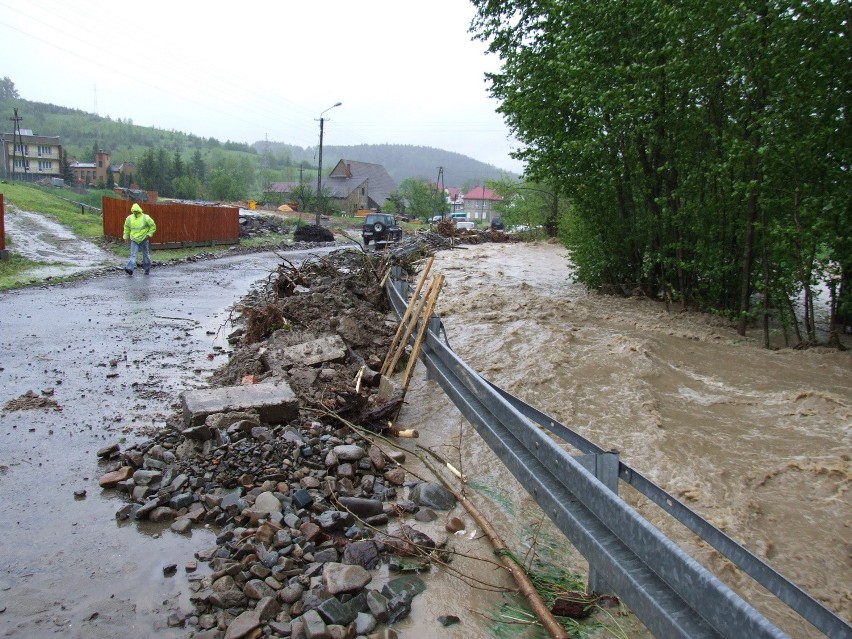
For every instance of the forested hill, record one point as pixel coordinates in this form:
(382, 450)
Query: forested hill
(401, 161)
(82, 132)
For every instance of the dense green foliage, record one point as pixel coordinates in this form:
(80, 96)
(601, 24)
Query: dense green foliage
(419, 199)
(704, 145)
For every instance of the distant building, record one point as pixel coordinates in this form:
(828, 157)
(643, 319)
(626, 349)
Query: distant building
(452, 197)
(30, 156)
(90, 173)
(479, 203)
(351, 185)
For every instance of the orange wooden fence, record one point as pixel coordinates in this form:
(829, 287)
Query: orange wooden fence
(177, 224)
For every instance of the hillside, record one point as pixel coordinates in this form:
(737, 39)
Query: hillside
(401, 161)
(82, 132)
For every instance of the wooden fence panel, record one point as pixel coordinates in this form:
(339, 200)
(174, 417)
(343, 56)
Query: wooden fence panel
(2, 224)
(177, 224)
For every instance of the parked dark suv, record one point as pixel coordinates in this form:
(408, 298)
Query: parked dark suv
(380, 227)
(497, 224)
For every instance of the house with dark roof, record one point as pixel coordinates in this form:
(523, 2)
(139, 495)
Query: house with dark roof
(351, 186)
(479, 203)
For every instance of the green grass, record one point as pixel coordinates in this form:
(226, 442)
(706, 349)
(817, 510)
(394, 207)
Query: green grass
(63, 206)
(13, 271)
(50, 202)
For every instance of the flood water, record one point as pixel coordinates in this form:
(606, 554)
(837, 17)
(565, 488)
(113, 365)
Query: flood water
(756, 441)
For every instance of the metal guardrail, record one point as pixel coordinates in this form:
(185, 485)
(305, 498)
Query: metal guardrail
(669, 591)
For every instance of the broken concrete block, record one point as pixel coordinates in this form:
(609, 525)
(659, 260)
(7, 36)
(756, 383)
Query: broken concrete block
(278, 357)
(274, 403)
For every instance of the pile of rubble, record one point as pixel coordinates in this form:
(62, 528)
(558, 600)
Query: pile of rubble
(447, 228)
(262, 225)
(275, 456)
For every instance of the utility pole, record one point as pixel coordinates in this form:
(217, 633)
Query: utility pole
(439, 187)
(16, 133)
(319, 168)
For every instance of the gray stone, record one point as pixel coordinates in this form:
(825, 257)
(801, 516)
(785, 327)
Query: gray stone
(427, 514)
(227, 599)
(314, 625)
(362, 553)
(432, 495)
(147, 508)
(243, 625)
(266, 502)
(145, 477)
(267, 608)
(183, 500)
(257, 589)
(182, 525)
(278, 355)
(162, 513)
(333, 519)
(291, 594)
(378, 605)
(274, 403)
(349, 452)
(201, 433)
(325, 555)
(399, 607)
(407, 583)
(365, 623)
(283, 628)
(334, 612)
(233, 501)
(395, 476)
(340, 578)
(361, 507)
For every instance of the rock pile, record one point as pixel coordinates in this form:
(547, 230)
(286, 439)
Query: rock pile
(261, 225)
(305, 511)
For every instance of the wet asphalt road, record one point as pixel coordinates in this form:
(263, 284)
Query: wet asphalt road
(117, 352)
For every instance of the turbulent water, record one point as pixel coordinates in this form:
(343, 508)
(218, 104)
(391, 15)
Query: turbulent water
(756, 441)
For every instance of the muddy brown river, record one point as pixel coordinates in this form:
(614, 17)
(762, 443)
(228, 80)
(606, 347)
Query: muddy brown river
(756, 441)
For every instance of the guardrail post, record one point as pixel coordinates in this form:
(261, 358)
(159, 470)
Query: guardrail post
(604, 467)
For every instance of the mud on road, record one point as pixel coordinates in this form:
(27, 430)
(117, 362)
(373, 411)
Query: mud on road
(112, 353)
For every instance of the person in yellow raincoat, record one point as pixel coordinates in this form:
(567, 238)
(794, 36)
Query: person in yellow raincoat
(138, 228)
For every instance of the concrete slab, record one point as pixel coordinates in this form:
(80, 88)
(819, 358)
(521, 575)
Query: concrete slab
(274, 403)
(279, 357)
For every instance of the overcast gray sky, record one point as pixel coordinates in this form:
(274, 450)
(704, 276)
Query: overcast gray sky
(406, 71)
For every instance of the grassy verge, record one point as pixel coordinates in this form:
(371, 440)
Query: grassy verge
(50, 202)
(13, 272)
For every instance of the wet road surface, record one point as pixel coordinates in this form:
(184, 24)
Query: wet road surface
(116, 352)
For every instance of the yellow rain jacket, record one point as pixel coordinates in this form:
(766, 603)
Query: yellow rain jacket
(139, 225)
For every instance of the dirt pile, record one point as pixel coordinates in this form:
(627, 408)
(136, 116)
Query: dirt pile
(305, 509)
(261, 225)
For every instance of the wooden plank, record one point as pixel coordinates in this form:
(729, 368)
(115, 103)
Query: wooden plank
(409, 328)
(396, 338)
(421, 334)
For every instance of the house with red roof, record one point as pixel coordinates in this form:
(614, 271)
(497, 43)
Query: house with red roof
(479, 203)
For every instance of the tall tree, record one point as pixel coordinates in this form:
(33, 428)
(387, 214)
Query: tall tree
(704, 145)
(7, 89)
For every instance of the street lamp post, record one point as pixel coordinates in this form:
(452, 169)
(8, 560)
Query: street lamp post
(319, 169)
